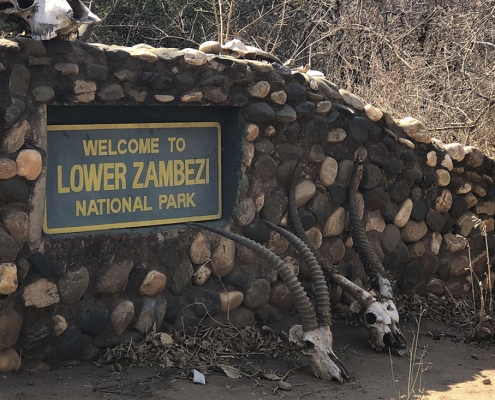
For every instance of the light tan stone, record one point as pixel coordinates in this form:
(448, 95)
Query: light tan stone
(192, 97)
(40, 294)
(196, 58)
(248, 153)
(269, 131)
(436, 242)
(9, 360)
(413, 231)
(154, 283)
(404, 214)
(373, 113)
(465, 188)
(143, 54)
(455, 151)
(67, 68)
(210, 46)
(336, 135)
(82, 86)
(459, 266)
(466, 223)
(479, 190)
(416, 250)
(303, 192)
(454, 242)
(230, 301)
(447, 163)
(8, 278)
(164, 98)
(442, 177)
(200, 251)
(444, 201)
(15, 137)
(323, 107)
(122, 315)
(435, 286)
(431, 159)
(375, 222)
(259, 202)
(315, 237)
(8, 168)
(114, 279)
(59, 325)
(415, 129)
(474, 156)
(293, 264)
(328, 171)
(84, 97)
(201, 275)
(277, 244)
(408, 143)
(352, 100)
(334, 225)
(29, 164)
(17, 224)
(281, 297)
(259, 90)
(489, 224)
(470, 199)
(252, 132)
(279, 97)
(485, 207)
(222, 258)
(138, 96)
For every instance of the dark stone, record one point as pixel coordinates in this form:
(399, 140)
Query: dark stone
(286, 114)
(14, 111)
(429, 263)
(414, 174)
(394, 167)
(14, 191)
(375, 198)
(448, 225)
(339, 152)
(107, 339)
(416, 194)
(237, 278)
(344, 174)
(265, 166)
(399, 191)
(288, 151)
(371, 176)
(257, 231)
(296, 91)
(284, 173)
(291, 131)
(307, 219)
(389, 143)
(172, 310)
(98, 72)
(428, 178)
(320, 206)
(444, 269)
(317, 154)
(169, 57)
(70, 345)
(35, 338)
(266, 315)
(275, 206)
(259, 112)
(93, 321)
(435, 220)
(419, 211)
(160, 81)
(455, 182)
(338, 193)
(390, 238)
(305, 109)
(281, 69)
(20, 77)
(8, 247)
(396, 261)
(202, 301)
(459, 205)
(215, 80)
(166, 251)
(59, 266)
(265, 146)
(150, 311)
(348, 111)
(389, 211)
(239, 100)
(40, 264)
(316, 130)
(408, 155)
(116, 55)
(111, 92)
(180, 276)
(334, 120)
(184, 82)
(358, 129)
(375, 133)
(378, 154)
(411, 276)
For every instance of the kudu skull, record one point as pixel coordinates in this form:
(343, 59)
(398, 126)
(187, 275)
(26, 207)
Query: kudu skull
(44, 19)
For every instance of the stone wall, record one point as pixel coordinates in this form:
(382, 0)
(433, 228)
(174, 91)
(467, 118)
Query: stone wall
(67, 297)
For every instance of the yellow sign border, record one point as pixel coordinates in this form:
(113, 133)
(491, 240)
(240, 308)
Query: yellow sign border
(140, 224)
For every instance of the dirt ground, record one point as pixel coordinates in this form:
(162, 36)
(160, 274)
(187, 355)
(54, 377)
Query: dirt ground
(452, 370)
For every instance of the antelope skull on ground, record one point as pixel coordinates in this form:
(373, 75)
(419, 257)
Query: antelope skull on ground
(313, 335)
(44, 19)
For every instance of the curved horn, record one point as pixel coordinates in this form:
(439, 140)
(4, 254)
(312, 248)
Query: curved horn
(304, 307)
(367, 255)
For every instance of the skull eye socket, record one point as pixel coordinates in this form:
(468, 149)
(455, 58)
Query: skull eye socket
(390, 308)
(309, 345)
(370, 318)
(23, 4)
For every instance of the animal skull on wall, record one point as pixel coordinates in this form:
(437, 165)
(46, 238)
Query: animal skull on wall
(44, 19)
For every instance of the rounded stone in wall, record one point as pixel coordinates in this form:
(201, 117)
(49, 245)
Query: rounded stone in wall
(328, 171)
(59, 325)
(241, 318)
(201, 275)
(281, 297)
(435, 220)
(275, 206)
(93, 320)
(303, 192)
(419, 210)
(296, 91)
(287, 151)
(429, 263)
(17, 224)
(8, 168)
(9, 360)
(257, 231)
(305, 109)
(378, 154)
(73, 285)
(316, 130)
(413, 231)
(333, 250)
(8, 278)
(444, 201)
(202, 301)
(259, 112)
(334, 225)
(455, 151)
(244, 212)
(459, 266)
(315, 237)
(14, 191)
(403, 214)
(258, 294)
(200, 251)
(474, 157)
(358, 129)
(153, 283)
(265, 166)
(390, 238)
(70, 345)
(40, 264)
(375, 198)
(435, 286)
(229, 301)
(320, 206)
(399, 191)
(222, 258)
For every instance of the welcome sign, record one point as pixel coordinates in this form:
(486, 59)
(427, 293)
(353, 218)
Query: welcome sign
(131, 175)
